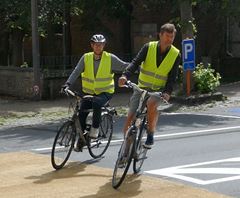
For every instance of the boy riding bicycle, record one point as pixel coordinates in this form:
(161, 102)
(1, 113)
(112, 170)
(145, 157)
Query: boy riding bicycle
(96, 69)
(158, 62)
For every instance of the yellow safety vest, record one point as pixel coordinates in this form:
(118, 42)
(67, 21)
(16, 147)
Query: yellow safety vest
(104, 80)
(154, 77)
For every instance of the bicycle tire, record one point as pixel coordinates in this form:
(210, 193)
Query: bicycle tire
(130, 141)
(97, 147)
(64, 140)
(140, 151)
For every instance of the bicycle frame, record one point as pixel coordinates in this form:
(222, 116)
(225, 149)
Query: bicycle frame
(142, 106)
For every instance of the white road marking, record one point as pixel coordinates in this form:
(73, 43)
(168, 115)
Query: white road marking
(175, 172)
(198, 131)
(205, 114)
(164, 135)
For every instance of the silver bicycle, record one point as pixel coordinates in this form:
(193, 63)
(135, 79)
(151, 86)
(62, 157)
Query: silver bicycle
(69, 131)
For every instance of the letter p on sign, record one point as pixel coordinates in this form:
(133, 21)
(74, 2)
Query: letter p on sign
(188, 48)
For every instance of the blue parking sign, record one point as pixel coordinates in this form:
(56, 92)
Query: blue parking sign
(188, 49)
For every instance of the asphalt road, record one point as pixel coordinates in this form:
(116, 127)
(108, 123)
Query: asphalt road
(199, 150)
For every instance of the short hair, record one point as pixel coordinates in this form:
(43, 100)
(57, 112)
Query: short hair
(168, 27)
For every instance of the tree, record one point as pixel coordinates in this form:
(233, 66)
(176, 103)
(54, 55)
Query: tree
(186, 19)
(15, 16)
(214, 14)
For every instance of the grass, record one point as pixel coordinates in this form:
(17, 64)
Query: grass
(8, 118)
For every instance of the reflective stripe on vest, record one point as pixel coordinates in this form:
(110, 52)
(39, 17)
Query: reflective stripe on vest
(103, 82)
(154, 77)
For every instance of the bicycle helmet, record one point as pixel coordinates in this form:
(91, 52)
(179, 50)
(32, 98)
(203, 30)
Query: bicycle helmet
(98, 38)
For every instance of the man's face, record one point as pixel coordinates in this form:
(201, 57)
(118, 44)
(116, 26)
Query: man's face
(97, 48)
(167, 38)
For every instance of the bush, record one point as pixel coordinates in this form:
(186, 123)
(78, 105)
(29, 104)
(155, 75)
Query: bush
(206, 79)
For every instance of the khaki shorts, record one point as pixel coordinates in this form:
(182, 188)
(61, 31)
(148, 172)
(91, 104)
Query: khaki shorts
(134, 101)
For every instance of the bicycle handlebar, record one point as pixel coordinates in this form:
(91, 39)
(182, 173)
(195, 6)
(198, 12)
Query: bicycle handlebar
(68, 91)
(136, 87)
(77, 95)
(132, 85)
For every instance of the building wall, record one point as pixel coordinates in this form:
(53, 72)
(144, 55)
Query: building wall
(16, 82)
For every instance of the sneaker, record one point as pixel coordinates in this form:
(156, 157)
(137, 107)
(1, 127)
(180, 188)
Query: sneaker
(149, 142)
(93, 133)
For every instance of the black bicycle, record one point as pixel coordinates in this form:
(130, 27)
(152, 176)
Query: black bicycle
(70, 131)
(132, 147)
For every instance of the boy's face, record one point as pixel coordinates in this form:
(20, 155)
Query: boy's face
(97, 48)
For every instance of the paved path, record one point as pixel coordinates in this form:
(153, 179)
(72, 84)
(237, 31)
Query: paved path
(26, 175)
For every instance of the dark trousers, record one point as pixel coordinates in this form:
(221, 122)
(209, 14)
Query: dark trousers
(97, 102)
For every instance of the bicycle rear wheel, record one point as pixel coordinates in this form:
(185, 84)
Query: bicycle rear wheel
(140, 151)
(97, 147)
(124, 159)
(63, 144)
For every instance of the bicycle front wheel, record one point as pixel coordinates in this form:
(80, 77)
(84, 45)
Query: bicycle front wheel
(140, 151)
(97, 147)
(63, 145)
(124, 159)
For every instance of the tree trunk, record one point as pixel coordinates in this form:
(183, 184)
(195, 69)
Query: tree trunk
(126, 30)
(50, 47)
(17, 47)
(186, 17)
(67, 40)
(4, 48)
(187, 32)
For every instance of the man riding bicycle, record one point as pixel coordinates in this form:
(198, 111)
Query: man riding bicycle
(158, 62)
(96, 69)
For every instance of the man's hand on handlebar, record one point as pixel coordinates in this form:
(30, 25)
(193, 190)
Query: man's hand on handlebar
(166, 96)
(122, 81)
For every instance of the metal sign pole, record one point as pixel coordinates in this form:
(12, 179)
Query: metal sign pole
(37, 90)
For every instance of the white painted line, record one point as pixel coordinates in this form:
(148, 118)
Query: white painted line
(205, 114)
(197, 132)
(163, 136)
(175, 172)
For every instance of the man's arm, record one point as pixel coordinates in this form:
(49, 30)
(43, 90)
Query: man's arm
(76, 72)
(137, 61)
(117, 63)
(172, 76)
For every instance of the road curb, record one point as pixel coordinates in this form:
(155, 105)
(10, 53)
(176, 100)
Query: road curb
(197, 99)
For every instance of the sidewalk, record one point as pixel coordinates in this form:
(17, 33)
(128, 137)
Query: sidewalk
(28, 175)
(231, 90)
